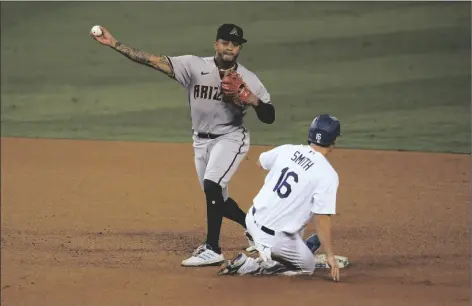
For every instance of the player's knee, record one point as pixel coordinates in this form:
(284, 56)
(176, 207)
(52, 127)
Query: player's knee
(212, 189)
(309, 265)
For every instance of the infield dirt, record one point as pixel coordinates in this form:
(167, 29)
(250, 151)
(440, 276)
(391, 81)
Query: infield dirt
(108, 223)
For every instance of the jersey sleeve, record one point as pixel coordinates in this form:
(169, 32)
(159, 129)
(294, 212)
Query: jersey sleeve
(324, 198)
(267, 159)
(182, 68)
(257, 88)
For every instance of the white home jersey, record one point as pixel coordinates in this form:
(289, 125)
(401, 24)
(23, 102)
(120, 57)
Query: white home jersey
(301, 182)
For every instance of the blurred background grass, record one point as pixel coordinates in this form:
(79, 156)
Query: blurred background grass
(397, 74)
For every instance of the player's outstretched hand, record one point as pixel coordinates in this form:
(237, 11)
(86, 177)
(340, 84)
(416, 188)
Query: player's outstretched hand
(334, 268)
(106, 38)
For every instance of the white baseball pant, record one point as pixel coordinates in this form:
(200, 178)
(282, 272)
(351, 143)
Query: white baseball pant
(286, 254)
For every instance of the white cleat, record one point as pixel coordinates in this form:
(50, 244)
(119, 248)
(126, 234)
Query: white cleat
(203, 256)
(231, 267)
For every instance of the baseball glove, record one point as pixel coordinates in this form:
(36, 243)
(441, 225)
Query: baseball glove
(234, 89)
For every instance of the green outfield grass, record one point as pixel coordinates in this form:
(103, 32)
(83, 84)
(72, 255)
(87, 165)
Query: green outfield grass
(397, 74)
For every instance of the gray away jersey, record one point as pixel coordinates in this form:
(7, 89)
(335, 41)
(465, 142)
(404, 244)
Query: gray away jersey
(201, 78)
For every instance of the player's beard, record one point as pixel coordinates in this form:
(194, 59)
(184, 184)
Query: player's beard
(226, 61)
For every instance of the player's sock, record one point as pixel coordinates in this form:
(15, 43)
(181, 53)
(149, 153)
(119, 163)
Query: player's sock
(313, 243)
(232, 211)
(215, 202)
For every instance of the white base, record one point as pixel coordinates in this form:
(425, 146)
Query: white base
(322, 261)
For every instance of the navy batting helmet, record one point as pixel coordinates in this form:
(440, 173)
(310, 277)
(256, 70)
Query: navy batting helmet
(323, 130)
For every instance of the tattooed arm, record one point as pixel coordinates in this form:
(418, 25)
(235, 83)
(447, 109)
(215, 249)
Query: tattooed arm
(160, 63)
(179, 68)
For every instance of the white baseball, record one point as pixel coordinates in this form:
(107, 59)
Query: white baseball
(96, 31)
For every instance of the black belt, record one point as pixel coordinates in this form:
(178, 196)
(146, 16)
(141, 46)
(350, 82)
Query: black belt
(263, 228)
(208, 135)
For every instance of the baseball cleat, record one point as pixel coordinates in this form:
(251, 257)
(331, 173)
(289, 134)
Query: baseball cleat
(322, 261)
(203, 256)
(231, 267)
(252, 245)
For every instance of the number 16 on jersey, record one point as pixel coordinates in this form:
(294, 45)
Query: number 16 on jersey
(283, 187)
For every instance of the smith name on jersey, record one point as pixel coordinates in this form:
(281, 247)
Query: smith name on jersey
(301, 182)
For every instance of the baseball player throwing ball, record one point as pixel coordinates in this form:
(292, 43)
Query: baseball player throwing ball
(300, 183)
(220, 91)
